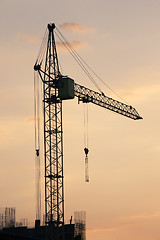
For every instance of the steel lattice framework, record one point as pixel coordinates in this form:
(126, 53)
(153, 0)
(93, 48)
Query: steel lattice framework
(87, 95)
(53, 134)
(53, 139)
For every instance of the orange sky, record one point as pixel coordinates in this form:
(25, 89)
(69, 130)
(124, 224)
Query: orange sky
(120, 41)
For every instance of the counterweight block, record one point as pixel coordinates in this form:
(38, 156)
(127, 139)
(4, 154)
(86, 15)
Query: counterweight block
(65, 88)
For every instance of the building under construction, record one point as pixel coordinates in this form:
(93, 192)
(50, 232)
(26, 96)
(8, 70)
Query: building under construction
(7, 218)
(56, 89)
(12, 230)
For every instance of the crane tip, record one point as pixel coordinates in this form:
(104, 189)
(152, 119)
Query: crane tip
(51, 26)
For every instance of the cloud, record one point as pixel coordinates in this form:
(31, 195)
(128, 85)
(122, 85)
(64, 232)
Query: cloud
(28, 38)
(76, 44)
(122, 223)
(31, 119)
(95, 230)
(140, 217)
(34, 39)
(142, 92)
(77, 27)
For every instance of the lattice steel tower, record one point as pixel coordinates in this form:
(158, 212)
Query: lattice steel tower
(53, 140)
(54, 193)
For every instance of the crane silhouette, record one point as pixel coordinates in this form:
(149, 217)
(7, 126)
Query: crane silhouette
(56, 89)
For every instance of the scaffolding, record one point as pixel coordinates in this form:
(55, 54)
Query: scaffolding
(80, 225)
(7, 217)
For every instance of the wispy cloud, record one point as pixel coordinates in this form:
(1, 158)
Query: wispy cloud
(141, 217)
(142, 92)
(76, 44)
(125, 222)
(107, 229)
(31, 119)
(77, 27)
(28, 38)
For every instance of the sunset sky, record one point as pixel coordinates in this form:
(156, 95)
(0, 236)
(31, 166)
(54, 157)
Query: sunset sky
(120, 41)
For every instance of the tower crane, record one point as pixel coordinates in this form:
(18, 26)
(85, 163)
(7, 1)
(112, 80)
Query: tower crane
(56, 89)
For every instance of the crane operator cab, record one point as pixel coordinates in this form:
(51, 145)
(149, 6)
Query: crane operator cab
(65, 88)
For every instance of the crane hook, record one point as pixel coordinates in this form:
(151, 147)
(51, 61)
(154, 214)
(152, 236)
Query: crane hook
(86, 165)
(37, 152)
(86, 151)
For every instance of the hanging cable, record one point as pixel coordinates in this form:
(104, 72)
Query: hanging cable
(37, 145)
(98, 76)
(81, 60)
(86, 150)
(36, 111)
(77, 59)
(42, 50)
(68, 46)
(86, 125)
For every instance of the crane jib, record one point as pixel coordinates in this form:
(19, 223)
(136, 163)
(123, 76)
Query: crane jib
(68, 89)
(87, 95)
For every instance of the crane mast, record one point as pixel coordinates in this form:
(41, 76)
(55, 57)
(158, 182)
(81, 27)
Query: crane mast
(57, 88)
(53, 135)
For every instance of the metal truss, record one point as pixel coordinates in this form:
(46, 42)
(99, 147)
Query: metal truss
(87, 95)
(53, 135)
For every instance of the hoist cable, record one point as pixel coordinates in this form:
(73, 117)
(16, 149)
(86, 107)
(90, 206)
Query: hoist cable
(84, 126)
(35, 110)
(86, 142)
(38, 116)
(37, 145)
(87, 123)
(86, 150)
